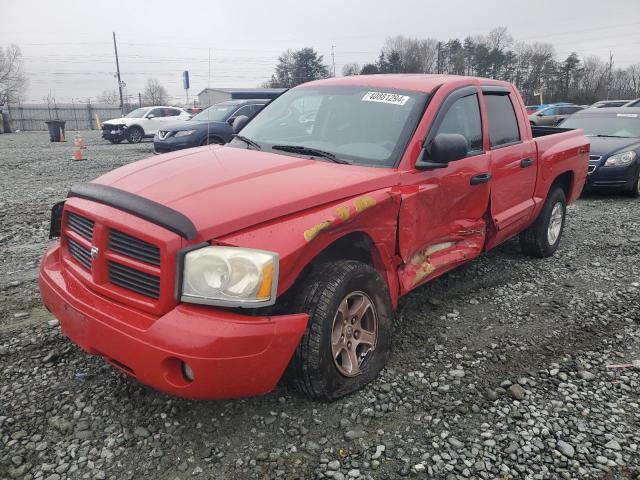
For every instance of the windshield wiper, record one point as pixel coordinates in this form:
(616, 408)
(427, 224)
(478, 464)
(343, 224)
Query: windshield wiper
(608, 136)
(248, 141)
(314, 152)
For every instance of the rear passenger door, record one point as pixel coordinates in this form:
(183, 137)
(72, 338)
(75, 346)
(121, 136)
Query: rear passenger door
(513, 168)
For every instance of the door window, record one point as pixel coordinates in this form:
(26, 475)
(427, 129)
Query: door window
(156, 112)
(245, 110)
(464, 118)
(501, 117)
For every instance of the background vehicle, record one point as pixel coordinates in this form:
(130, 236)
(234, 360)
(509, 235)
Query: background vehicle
(533, 108)
(141, 123)
(212, 125)
(553, 114)
(633, 103)
(206, 274)
(615, 147)
(609, 103)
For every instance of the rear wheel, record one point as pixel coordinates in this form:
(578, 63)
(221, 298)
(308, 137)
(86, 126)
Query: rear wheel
(134, 135)
(348, 337)
(543, 237)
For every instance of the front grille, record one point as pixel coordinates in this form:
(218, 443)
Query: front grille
(162, 134)
(591, 168)
(81, 225)
(134, 280)
(133, 247)
(80, 253)
(594, 158)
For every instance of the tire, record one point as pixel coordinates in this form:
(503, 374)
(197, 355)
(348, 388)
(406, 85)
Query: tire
(314, 369)
(134, 135)
(537, 240)
(115, 141)
(635, 190)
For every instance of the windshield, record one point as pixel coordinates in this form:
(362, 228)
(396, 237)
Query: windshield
(363, 125)
(137, 113)
(621, 125)
(215, 113)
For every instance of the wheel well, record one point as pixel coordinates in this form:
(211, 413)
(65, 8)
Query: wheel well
(565, 182)
(354, 246)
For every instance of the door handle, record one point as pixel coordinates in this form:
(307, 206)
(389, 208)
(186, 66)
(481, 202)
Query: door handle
(481, 178)
(527, 162)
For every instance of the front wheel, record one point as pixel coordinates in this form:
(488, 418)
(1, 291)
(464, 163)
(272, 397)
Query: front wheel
(543, 237)
(134, 135)
(348, 337)
(635, 190)
(115, 141)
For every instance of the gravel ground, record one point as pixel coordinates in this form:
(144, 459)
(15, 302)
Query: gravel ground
(501, 369)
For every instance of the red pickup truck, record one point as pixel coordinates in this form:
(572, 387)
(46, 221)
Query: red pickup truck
(213, 272)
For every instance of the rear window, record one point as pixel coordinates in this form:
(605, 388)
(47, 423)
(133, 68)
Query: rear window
(501, 117)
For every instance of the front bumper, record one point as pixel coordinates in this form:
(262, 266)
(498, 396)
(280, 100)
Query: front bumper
(171, 144)
(622, 178)
(230, 355)
(114, 132)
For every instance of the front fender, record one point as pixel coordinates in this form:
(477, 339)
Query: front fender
(299, 238)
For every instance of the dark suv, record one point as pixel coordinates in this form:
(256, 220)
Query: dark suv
(213, 125)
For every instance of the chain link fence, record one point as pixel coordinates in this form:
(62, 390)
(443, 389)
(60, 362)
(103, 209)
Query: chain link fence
(79, 116)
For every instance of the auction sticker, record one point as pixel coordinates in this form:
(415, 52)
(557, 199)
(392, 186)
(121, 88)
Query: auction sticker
(382, 97)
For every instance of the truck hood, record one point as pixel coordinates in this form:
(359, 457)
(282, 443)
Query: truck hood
(225, 189)
(606, 146)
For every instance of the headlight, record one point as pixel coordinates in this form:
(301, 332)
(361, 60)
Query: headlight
(230, 276)
(183, 133)
(620, 159)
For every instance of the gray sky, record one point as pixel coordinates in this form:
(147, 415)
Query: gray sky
(68, 46)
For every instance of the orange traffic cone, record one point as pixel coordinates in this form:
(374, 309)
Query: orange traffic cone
(79, 144)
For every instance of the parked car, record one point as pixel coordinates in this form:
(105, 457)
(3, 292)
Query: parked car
(553, 114)
(141, 123)
(212, 125)
(609, 103)
(615, 147)
(207, 273)
(633, 103)
(533, 108)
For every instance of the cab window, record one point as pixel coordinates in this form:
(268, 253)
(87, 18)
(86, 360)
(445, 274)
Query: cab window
(502, 121)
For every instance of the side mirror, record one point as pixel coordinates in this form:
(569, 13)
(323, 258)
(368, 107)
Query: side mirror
(151, 116)
(444, 148)
(231, 120)
(239, 123)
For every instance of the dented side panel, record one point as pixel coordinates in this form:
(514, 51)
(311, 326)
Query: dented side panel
(441, 222)
(299, 238)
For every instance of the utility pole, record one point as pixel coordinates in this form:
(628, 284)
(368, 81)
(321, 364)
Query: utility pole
(139, 99)
(438, 60)
(115, 48)
(610, 71)
(333, 59)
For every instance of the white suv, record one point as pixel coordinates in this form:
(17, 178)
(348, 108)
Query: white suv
(140, 123)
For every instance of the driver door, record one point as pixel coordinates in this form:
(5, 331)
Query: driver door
(152, 121)
(441, 222)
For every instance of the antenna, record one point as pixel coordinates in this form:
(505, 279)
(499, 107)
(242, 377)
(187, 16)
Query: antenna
(208, 87)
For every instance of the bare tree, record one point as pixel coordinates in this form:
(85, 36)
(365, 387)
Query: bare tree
(110, 97)
(154, 93)
(350, 69)
(13, 82)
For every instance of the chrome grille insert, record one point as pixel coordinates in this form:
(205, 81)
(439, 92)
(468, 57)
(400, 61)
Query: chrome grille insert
(80, 253)
(133, 247)
(134, 280)
(81, 225)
